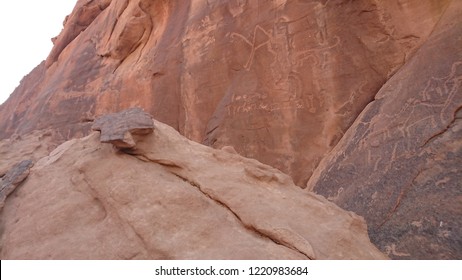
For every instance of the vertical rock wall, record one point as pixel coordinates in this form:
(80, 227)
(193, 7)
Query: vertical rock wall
(281, 81)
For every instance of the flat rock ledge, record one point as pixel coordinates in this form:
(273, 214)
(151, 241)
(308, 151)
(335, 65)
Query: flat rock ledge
(119, 128)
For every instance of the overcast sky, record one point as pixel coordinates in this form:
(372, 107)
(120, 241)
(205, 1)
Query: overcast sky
(26, 29)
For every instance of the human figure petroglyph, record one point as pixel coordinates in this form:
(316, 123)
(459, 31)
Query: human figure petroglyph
(253, 43)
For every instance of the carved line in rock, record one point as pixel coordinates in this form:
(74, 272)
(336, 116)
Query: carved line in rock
(438, 94)
(253, 43)
(319, 54)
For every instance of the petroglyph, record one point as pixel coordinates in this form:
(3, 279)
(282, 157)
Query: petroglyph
(452, 84)
(236, 7)
(319, 44)
(317, 55)
(391, 250)
(377, 138)
(441, 92)
(345, 108)
(442, 182)
(253, 43)
(335, 197)
(245, 107)
(440, 95)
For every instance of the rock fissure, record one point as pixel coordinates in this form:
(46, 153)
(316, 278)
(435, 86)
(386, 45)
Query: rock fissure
(443, 131)
(245, 225)
(401, 196)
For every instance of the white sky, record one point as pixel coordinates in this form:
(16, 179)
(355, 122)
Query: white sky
(26, 29)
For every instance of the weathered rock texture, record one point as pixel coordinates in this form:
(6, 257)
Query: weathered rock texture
(31, 146)
(13, 178)
(171, 199)
(279, 80)
(120, 128)
(400, 164)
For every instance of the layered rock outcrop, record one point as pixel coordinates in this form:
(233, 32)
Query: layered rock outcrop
(280, 81)
(13, 178)
(171, 198)
(121, 129)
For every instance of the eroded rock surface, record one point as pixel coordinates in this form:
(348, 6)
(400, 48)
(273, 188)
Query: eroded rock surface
(119, 128)
(173, 199)
(400, 164)
(280, 81)
(15, 176)
(33, 146)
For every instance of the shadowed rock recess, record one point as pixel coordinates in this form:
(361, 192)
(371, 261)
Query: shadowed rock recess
(358, 101)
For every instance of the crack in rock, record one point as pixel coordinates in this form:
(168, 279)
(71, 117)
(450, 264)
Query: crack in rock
(264, 233)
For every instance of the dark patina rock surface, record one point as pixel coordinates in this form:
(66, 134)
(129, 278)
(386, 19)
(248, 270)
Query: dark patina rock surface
(13, 178)
(400, 164)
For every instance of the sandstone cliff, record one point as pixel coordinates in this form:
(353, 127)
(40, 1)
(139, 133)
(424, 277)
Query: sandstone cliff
(359, 100)
(281, 81)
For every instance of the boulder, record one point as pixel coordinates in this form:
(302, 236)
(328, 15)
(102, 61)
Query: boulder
(171, 199)
(120, 128)
(13, 178)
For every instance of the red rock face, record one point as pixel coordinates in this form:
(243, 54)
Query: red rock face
(399, 165)
(280, 81)
(92, 200)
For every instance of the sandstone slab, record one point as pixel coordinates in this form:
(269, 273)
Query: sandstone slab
(171, 199)
(15, 176)
(119, 128)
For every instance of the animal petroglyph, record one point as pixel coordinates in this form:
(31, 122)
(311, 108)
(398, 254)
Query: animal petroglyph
(440, 95)
(391, 250)
(245, 107)
(319, 55)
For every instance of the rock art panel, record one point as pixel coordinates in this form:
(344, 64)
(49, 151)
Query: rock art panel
(280, 81)
(399, 165)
